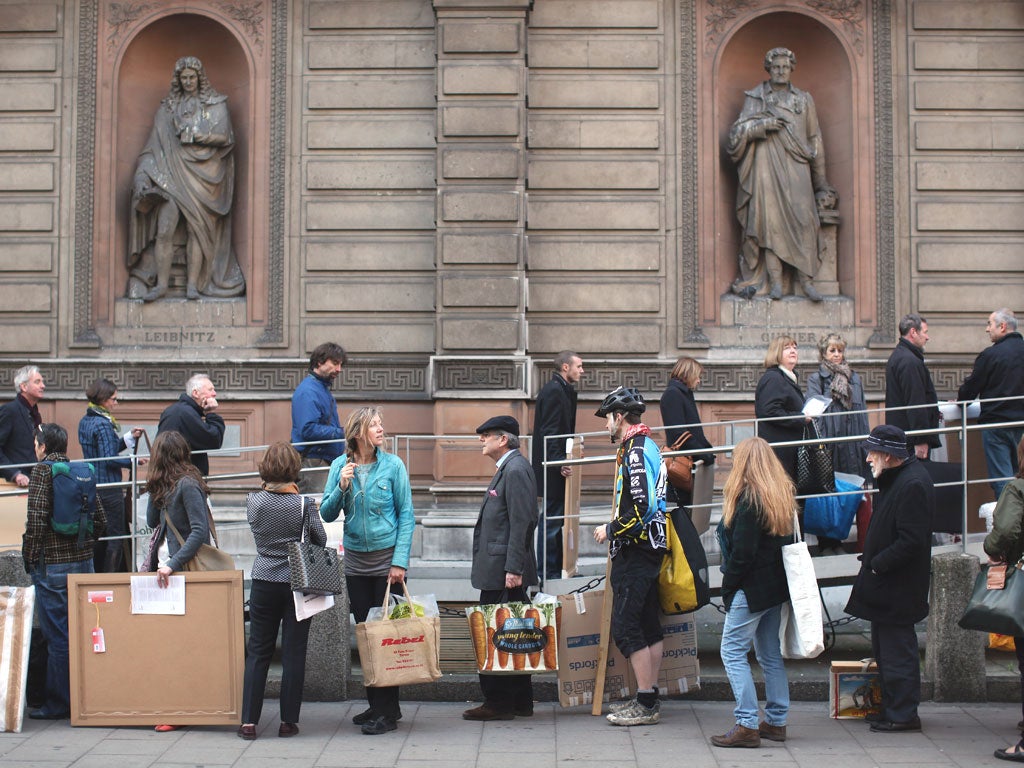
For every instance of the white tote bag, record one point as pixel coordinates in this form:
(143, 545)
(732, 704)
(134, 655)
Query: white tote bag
(801, 634)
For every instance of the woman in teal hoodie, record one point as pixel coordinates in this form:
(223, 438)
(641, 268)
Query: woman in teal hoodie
(372, 488)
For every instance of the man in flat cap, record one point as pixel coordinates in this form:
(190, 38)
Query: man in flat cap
(504, 563)
(891, 590)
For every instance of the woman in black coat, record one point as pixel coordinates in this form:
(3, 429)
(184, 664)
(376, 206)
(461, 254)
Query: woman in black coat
(757, 521)
(679, 414)
(779, 395)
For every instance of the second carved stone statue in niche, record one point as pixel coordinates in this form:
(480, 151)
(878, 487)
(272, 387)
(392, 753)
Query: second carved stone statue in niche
(780, 159)
(182, 194)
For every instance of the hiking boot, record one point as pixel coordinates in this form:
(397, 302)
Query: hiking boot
(739, 736)
(635, 714)
(618, 706)
(771, 732)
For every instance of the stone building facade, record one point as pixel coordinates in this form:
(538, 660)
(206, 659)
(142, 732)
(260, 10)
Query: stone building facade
(454, 190)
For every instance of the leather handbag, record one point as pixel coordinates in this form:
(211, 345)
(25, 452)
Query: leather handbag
(997, 610)
(814, 473)
(315, 570)
(680, 468)
(207, 557)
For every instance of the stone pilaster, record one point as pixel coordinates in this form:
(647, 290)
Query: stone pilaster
(481, 169)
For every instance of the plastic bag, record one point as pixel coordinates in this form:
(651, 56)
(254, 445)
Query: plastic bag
(832, 516)
(398, 608)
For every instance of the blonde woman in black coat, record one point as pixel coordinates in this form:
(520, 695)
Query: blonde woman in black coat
(778, 394)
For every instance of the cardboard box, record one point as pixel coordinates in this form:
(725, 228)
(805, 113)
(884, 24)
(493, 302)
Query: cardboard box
(855, 690)
(579, 636)
(13, 512)
(680, 669)
(579, 640)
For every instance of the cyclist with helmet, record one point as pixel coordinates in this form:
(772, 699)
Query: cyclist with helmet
(636, 537)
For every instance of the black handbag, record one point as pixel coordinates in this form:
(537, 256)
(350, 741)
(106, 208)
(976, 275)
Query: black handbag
(997, 610)
(315, 570)
(814, 473)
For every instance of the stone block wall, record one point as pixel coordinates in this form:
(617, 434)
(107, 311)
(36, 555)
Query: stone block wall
(963, 218)
(34, 215)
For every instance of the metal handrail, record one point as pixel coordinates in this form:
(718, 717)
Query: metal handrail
(404, 443)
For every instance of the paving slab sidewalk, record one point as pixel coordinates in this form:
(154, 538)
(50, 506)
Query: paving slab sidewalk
(434, 735)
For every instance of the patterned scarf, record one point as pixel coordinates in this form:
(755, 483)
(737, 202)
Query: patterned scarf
(281, 487)
(841, 391)
(99, 410)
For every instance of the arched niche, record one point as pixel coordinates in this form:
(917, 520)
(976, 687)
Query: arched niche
(142, 78)
(824, 69)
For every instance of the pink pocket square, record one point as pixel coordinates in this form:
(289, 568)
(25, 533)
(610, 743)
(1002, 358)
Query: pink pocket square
(493, 492)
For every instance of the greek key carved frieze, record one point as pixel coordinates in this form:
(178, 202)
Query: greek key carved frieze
(454, 375)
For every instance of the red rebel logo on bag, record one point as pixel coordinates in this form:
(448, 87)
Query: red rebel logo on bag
(401, 640)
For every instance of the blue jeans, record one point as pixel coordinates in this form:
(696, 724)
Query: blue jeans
(51, 582)
(1001, 454)
(743, 629)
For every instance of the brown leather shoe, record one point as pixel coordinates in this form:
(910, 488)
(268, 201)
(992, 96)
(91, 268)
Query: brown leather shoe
(771, 732)
(487, 712)
(247, 732)
(739, 736)
(288, 729)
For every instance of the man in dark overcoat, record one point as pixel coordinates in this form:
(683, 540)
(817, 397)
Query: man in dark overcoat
(555, 414)
(908, 382)
(504, 563)
(891, 590)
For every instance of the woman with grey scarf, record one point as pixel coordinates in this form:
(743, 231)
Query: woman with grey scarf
(844, 416)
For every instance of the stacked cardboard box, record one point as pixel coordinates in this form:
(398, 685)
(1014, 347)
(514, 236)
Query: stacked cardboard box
(579, 638)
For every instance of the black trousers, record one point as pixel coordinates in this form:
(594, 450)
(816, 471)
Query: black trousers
(895, 649)
(365, 592)
(271, 605)
(110, 555)
(1018, 645)
(506, 692)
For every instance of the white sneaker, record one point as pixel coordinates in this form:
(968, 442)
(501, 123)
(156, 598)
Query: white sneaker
(635, 714)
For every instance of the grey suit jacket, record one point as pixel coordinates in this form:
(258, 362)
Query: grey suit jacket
(503, 537)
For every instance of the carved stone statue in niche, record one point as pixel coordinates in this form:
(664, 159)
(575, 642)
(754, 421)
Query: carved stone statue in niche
(182, 194)
(777, 147)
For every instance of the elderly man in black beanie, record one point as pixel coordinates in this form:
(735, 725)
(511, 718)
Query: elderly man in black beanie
(504, 563)
(891, 590)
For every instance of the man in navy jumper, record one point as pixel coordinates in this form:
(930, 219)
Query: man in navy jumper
(315, 417)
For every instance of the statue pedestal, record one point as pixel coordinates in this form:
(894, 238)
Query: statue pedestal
(755, 322)
(184, 329)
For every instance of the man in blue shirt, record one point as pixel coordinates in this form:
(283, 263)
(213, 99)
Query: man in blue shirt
(315, 417)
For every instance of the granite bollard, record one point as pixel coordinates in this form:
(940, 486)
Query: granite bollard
(954, 657)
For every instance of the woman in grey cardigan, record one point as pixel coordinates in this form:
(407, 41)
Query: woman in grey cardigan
(176, 489)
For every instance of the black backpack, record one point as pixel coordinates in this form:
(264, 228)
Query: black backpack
(74, 498)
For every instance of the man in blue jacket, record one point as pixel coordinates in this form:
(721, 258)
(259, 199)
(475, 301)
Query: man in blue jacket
(315, 417)
(999, 372)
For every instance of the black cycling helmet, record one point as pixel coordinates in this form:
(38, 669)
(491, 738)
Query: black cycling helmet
(626, 399)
